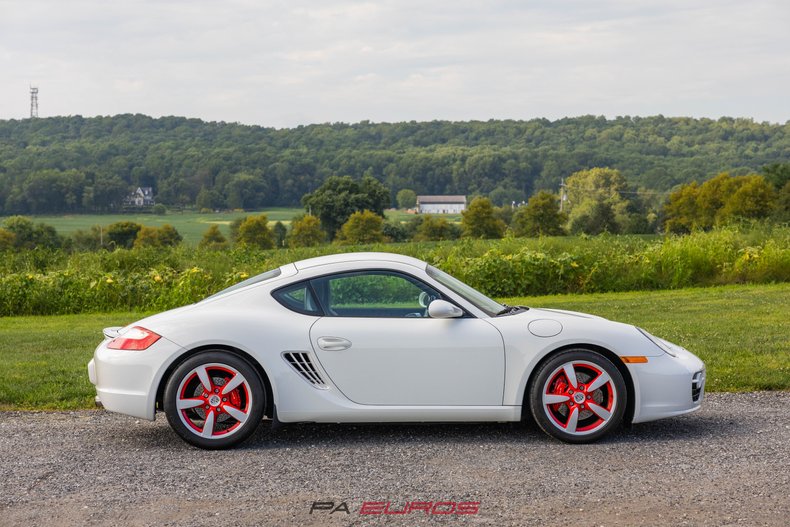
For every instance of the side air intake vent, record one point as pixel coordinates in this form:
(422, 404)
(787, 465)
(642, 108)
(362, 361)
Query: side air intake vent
(300, 361)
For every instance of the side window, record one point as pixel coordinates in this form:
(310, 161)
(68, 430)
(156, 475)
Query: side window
(298, 297)
(374, 294)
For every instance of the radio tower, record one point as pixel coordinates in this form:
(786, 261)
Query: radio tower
(33, 102)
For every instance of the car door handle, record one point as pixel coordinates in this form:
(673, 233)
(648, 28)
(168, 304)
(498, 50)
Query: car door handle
(333, 343)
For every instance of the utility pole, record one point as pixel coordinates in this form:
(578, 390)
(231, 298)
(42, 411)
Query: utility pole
(33, 102)
(563, 193)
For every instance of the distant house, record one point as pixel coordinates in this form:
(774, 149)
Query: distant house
(441, 204)
(142, 197)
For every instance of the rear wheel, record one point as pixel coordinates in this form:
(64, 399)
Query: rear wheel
(578, 396)
(214, 400)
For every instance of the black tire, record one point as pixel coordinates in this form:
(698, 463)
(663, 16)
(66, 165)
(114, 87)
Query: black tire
(583, 413)
(233, 414)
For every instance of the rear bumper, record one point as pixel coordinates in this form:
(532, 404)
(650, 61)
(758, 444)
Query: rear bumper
(128, 403)
(127, 381)
(92, 378)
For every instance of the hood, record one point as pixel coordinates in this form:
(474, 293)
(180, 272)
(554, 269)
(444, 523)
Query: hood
(564, 313)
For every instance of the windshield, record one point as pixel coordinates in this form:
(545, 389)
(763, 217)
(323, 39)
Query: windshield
(268, 275)
(472, 295)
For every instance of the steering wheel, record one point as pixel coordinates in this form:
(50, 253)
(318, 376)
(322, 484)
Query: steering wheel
(424, 299)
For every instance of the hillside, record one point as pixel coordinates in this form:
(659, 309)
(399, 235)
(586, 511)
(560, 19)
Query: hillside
(76, 164)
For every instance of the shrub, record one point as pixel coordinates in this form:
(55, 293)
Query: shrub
(48, 281)
(7, 239)
(164, 236)
(254, 232)
(123, 233)
(478, 220)
(541, 216)
(29, 235)
(213, 240)
(434, 228)
(362, 228)
(306, 231)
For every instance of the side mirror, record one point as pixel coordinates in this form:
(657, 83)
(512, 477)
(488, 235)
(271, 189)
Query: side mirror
(444, 309)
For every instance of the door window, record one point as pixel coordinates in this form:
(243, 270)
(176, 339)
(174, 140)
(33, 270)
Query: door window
(374, 294)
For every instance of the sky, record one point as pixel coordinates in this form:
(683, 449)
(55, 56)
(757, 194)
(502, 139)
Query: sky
(295, 62)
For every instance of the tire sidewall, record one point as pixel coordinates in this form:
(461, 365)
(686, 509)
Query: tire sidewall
(555, 361)
(222, 357)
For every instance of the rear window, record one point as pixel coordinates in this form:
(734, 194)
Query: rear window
(298, 297)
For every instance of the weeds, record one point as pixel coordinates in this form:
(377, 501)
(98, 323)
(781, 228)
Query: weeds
(53, 282)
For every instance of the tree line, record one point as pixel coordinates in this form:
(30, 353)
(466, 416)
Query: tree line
(76, 164)
(345, 211)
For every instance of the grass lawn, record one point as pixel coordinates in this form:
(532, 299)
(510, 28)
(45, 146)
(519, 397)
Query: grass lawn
(43, 360)
(191, 225)
(741, 332)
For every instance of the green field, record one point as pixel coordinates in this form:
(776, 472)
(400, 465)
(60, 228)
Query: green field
(191, 225)
(403, 216)
(741, 332)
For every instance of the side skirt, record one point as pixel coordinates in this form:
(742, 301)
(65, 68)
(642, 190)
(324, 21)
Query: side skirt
(405, 414)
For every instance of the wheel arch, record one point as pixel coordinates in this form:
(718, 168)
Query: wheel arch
(254, 363)
(609, 354)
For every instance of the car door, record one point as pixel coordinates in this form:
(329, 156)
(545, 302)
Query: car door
(379, 347)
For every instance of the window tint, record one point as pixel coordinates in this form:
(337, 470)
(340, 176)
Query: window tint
(298, 297)
(374, 294)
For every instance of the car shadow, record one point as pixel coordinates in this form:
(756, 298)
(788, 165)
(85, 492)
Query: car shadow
(309, 435)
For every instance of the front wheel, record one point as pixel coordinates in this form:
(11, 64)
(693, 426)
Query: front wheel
(214, 400)
(578, 396)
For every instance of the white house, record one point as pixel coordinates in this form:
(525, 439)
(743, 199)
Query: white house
(142, 197)
(441, 204)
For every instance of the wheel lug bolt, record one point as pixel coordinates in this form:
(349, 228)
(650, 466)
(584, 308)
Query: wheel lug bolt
(216, 390)
(224, 399)
(208, 406)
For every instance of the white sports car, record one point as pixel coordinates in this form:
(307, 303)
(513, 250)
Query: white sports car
(377, 337)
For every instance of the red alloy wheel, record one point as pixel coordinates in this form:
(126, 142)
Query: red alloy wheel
(579, 397)
(214, 400)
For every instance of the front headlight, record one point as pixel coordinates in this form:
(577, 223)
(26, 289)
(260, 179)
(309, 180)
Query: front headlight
(665, 345)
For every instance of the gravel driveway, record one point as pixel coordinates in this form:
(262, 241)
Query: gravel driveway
(728, 464)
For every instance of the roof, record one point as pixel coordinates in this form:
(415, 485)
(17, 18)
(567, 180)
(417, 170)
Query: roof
(440, 199)
(359, 257)
(145, 191)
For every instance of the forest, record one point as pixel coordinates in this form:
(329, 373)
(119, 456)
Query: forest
(75, 164)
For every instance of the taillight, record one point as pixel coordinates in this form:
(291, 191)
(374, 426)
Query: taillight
(136, 339)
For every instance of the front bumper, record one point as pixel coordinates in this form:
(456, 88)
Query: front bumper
(126, 381)
(668, 386)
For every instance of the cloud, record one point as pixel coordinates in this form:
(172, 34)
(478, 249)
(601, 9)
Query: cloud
(283, 63)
